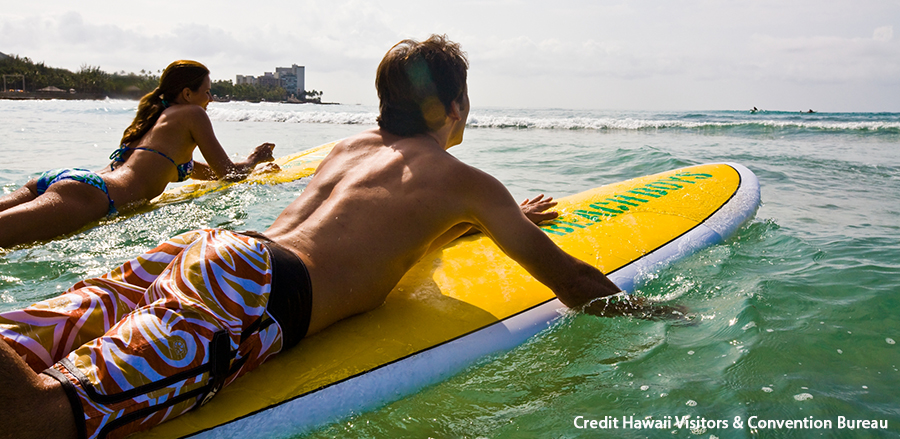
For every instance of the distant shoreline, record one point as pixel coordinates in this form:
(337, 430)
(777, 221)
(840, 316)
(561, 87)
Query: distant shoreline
(47, 96)
(31, 96)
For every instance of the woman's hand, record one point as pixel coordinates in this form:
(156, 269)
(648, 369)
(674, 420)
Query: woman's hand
(240, 170)
(262, 153)
(266, 168)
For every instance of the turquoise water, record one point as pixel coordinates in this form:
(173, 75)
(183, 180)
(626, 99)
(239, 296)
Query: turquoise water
(798, 313)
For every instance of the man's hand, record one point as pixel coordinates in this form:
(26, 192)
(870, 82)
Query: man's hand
(623, 304)
(537, 208)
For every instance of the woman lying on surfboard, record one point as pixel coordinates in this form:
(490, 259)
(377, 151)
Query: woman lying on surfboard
(156, 149)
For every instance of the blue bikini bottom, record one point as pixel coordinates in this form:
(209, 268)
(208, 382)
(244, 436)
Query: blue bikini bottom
(81, 175)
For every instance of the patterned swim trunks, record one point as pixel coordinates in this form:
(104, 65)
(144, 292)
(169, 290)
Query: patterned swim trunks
(161, 334)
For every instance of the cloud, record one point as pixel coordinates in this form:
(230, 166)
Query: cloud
(884, 33)
(522, 56)
(67, 40)
(514, 45)
(826, 59)
(756, 57)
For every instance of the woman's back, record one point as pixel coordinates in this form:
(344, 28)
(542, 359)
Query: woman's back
(150, 163)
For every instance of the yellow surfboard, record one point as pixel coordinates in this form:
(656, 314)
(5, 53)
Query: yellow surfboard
(469, 300)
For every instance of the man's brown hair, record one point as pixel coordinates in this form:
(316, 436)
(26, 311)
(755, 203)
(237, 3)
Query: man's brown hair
(417, 82)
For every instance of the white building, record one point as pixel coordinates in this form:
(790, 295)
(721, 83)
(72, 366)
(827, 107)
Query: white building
(293, 79)
(249, 80)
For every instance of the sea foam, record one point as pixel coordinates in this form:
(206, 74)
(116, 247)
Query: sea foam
(713, 121)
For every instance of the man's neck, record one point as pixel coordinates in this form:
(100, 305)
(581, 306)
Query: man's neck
(440, 139)
(442, 135)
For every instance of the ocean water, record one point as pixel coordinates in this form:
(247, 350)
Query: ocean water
(798, 314)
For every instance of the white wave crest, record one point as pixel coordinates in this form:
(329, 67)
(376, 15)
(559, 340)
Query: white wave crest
(587, 123)
(266, 115)
(563, 119)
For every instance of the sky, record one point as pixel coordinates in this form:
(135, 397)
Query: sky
(677, 55)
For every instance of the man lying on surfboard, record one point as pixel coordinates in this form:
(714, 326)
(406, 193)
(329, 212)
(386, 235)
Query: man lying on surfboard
(164, 332)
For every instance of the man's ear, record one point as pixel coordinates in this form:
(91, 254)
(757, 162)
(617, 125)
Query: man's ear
(454, 112)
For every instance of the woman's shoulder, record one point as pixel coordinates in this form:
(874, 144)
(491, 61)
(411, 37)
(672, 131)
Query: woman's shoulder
(185, 114)
(186, 110)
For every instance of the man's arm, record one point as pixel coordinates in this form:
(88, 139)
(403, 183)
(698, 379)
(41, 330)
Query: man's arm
(536, 209)
(449, 236)
(577, 284)
(494, 211)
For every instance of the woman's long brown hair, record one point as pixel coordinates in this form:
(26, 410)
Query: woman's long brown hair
(177, 76)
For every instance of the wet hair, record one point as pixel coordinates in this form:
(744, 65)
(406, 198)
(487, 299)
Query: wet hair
(417, 82)
(177, 76)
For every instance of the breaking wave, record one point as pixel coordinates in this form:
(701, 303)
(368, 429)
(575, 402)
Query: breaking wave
(713, 121)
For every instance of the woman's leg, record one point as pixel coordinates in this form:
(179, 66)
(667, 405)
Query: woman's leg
(67, 206)
(22, 195)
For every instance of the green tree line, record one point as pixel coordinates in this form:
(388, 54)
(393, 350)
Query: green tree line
(91, 79)
(225, 89)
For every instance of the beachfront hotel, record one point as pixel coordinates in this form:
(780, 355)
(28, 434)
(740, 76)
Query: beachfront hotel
(290, 78)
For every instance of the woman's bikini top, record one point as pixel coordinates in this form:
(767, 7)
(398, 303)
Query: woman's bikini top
(184, 169)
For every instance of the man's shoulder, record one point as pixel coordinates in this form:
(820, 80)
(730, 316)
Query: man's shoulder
(380, 137)
(411, 147)
(365, 139)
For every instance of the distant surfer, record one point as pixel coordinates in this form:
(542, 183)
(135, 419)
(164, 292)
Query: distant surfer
(157, 148)
(164, 332)
(754, 110)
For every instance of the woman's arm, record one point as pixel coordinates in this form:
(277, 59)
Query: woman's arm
(218, 165)
(202, 171)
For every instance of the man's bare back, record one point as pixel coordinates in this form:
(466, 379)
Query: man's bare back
(376, 205)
